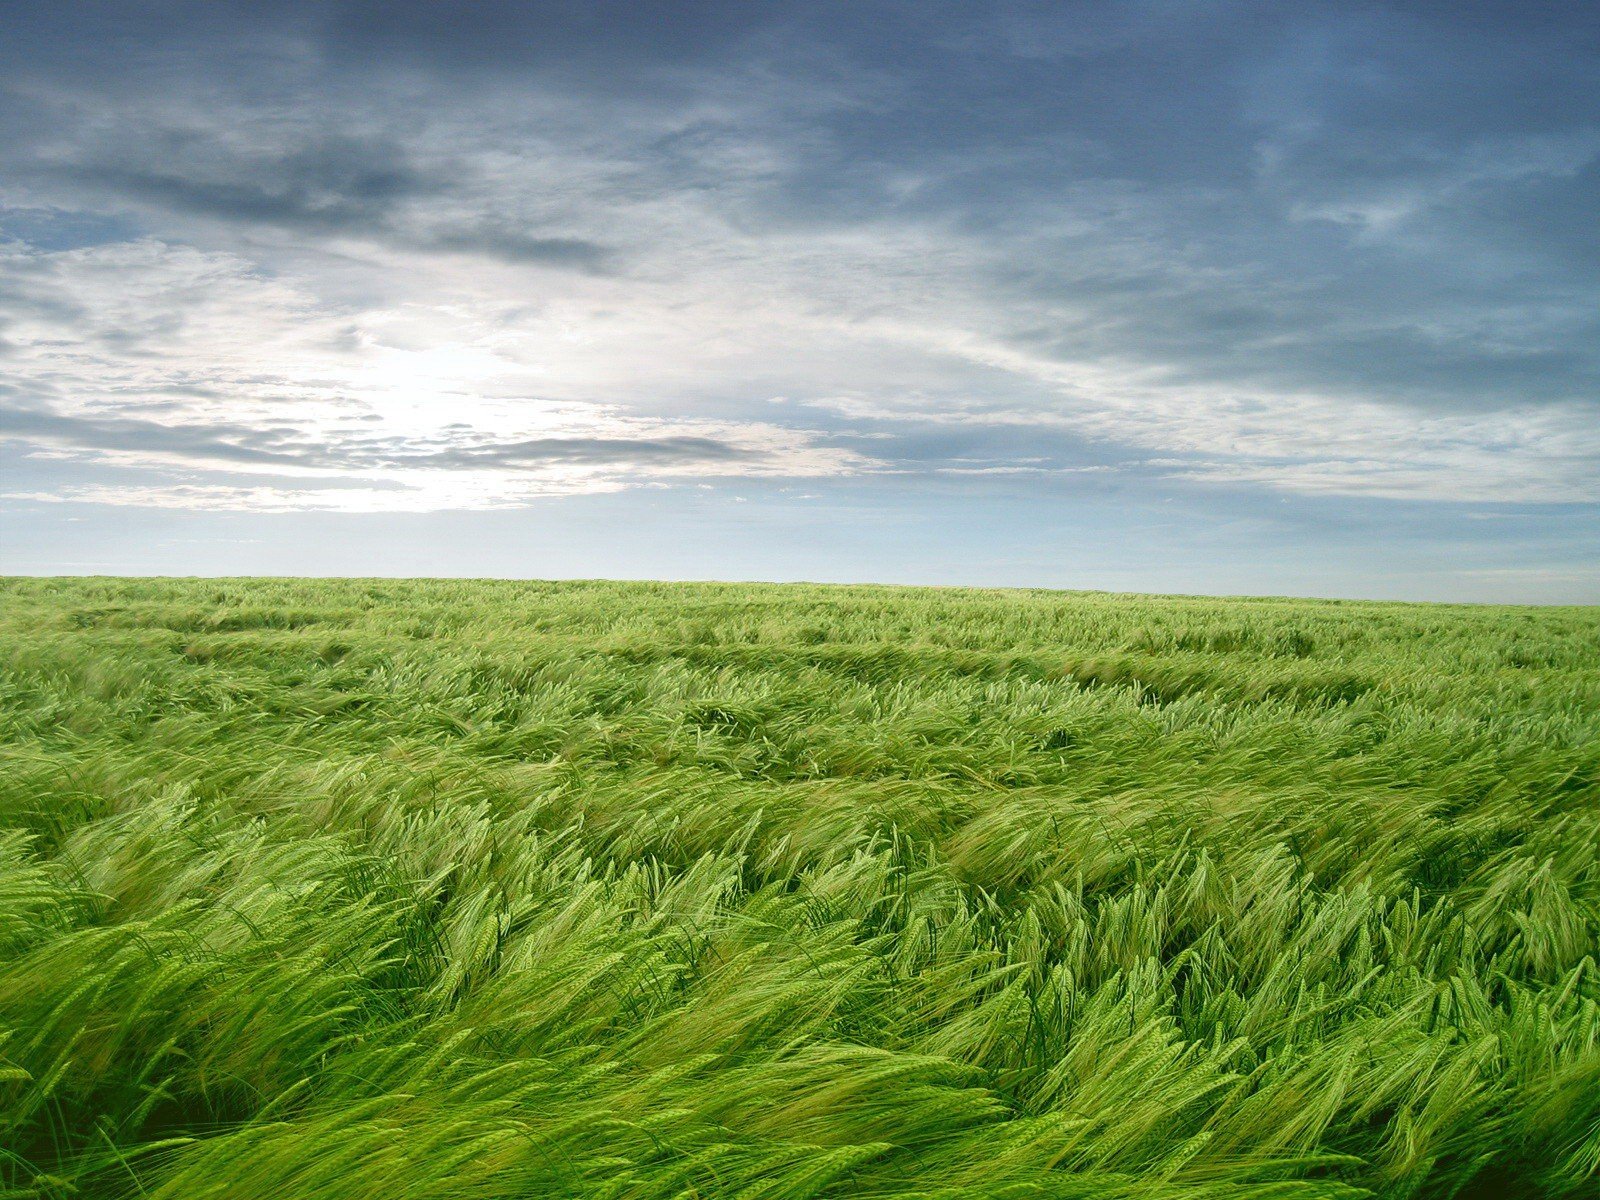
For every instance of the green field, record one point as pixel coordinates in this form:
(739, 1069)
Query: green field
(391, 890)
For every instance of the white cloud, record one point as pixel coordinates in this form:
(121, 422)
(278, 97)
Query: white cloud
(146, 355)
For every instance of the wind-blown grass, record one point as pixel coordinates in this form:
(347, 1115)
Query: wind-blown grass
(424, 889)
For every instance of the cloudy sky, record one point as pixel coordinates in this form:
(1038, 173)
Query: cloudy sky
(1149, 296)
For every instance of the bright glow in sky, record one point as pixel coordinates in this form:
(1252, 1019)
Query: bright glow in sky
(1150, 296)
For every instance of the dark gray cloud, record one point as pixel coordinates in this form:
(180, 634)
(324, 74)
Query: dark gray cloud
(335, 183)
(307, 182)
(517, 246)
(224, 442)
(284, 444)
(541, 452)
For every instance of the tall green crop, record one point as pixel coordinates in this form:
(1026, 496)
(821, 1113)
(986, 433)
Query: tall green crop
(417, 889)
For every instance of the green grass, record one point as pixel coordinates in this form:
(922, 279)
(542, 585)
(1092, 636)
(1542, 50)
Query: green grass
(392, 890)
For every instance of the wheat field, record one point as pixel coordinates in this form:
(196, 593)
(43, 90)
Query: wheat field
(423, 889)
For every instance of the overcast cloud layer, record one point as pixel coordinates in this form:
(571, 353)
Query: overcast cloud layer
(1145, 295)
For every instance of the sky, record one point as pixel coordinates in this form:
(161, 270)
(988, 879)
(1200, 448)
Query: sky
(1166, 297)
